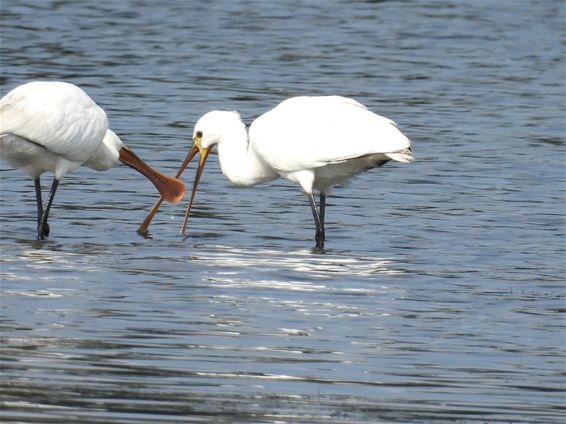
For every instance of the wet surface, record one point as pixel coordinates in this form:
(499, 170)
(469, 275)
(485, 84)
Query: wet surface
(440, 297)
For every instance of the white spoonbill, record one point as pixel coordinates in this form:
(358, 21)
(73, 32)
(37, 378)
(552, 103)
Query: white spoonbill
(317, 142)
(56, 126)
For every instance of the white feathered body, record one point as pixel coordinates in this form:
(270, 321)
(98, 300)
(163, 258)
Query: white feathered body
(317, 142)
(55, 126)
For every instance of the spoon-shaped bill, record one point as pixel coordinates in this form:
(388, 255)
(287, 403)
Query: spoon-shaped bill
(204, 152)
(195, 148)
(171, 189)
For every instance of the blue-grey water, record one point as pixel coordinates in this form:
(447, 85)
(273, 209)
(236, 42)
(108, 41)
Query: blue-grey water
(440, 296)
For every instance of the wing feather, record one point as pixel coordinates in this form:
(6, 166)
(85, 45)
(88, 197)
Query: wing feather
(324, 130)
(56, 115)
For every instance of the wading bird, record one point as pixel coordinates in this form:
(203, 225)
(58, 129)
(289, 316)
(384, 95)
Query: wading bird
(56, 126)
(316, 142)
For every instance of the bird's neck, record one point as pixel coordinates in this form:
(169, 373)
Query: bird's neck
(107, 154)
(239, 162)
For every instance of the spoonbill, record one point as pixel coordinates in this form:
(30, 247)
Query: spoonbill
(55, 126)
(316, 142)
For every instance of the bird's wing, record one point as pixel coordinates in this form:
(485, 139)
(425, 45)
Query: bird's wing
(310, 132)
(58, 116)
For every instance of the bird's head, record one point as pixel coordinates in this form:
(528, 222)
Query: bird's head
(209, 130)
(213, 126)
(107, 154)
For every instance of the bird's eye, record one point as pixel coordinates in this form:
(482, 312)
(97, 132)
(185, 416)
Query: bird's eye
(199, 133)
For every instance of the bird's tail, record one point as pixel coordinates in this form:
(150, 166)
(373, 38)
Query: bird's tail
(404, 155)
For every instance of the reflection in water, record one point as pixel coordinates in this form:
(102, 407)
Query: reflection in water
(441, 296)
(330, 265)
(293, 330)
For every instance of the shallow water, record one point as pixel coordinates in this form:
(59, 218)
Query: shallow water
(440, 297)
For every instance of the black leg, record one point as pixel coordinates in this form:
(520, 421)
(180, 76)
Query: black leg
(43, 230)
(39, 201)
(322, 210)
(319, 235)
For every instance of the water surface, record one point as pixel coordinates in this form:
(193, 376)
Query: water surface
(440, 297)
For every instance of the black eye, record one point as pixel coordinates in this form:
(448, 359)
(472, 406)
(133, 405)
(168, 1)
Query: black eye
(199, 133)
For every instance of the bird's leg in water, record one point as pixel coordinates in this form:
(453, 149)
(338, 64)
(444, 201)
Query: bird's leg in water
(321, 211)
(39, 200)
(319, 235)
(43, 230)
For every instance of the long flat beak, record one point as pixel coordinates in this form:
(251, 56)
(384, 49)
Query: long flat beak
(171, 189)
(204, 152)
(195, 148)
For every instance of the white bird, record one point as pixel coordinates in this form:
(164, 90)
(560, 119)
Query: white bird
(56, 126)
(316, 142)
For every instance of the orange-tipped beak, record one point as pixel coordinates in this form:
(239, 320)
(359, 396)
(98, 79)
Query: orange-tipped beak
(171, 189)
(195, 148)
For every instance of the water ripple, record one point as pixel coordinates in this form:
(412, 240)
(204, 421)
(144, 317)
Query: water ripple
(440, 297)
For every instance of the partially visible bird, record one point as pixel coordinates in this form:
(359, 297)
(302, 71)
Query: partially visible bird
(57, 127)
(316, 142)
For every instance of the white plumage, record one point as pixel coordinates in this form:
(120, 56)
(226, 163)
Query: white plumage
(317, 142)
(38, 114)
(57, 127)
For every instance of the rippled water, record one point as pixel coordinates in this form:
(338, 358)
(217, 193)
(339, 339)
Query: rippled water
(440, 297)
